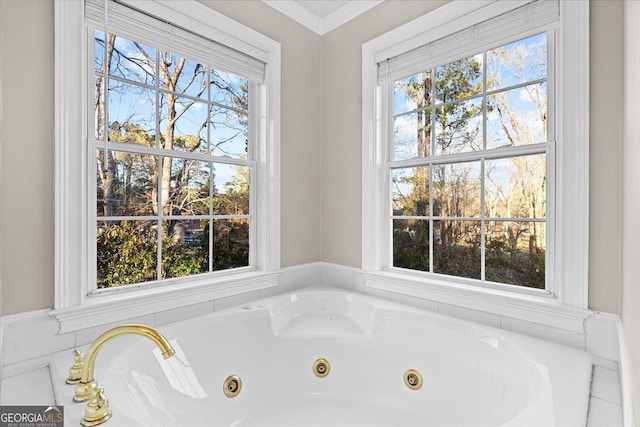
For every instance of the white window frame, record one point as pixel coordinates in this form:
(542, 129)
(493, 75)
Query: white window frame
(570, 195)
(76, 306)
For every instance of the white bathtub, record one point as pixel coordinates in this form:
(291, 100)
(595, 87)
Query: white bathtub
(473, 374)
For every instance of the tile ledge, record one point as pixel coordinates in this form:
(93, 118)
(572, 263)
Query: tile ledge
(543, 310)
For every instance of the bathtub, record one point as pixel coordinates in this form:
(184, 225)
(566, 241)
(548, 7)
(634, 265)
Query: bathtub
(472, 375)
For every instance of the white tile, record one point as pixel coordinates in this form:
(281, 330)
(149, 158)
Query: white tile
(287, 278)
(361, 286)
(308, 275)
(374, 292)
(340, 276)
(559, 336)
(469, 314)
(183, 313)
(25, 366)
(606, 385)
(234, 300)
(604, 414)
(282, 288)
(31, 388)
(605, 363)
(602, 336)
(32, 336)
(86, 336)
(414, 301)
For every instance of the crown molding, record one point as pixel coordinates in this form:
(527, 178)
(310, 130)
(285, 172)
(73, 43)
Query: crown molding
(318, 25)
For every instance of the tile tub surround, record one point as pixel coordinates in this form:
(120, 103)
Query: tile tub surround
(605, 402)
(29, 339)
(30, 388)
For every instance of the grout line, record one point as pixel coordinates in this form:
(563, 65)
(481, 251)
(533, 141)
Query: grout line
(593, 369)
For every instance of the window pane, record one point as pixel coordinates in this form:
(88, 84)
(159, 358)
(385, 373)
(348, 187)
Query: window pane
(411, 244)
(230, 190)
(99, 111)
(411, 191)
(132, 61)
(98, 50)
(126, 252)
(456, 189)
(412, 93)
(185, 248)
(459, 127)
(183, 76)
(230, 243)
(518, 62)
(229, 89)
(132, 114)
(229, 133)
(516, 187)
(125, 184)
(459, 79)
(517, 116)
(183, 124)
(515, 253)
(456, 248)
(188, 189)
(412, 135)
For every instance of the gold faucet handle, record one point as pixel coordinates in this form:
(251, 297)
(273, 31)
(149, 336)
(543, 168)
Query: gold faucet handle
(97, 410)
(75, 371)
(100, 399)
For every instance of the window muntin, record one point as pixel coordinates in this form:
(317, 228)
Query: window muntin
(173, 164)
(469, 166)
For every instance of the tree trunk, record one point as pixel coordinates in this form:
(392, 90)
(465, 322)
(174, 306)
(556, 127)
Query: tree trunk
(106, 164)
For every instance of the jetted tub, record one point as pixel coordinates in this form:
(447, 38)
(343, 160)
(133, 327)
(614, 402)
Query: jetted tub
(472, 374)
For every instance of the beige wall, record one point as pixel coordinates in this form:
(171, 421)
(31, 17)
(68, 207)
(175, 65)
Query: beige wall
(631, 198)
(321, 139)
(26, 171)
(605, 257)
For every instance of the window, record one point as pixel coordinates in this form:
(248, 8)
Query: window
(179, 150)
(173, 164)
(468, 166)
(475, 124)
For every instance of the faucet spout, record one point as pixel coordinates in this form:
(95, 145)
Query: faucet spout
(87, 386)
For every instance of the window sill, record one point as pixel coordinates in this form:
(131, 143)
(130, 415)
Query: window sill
(542, 309)
(99, 309)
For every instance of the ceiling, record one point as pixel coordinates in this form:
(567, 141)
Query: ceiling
(322, 16)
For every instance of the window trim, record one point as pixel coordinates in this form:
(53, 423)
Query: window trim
(571, 194)
(74, 308)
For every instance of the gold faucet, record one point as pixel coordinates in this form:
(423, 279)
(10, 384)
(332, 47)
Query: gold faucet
(88, 389)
